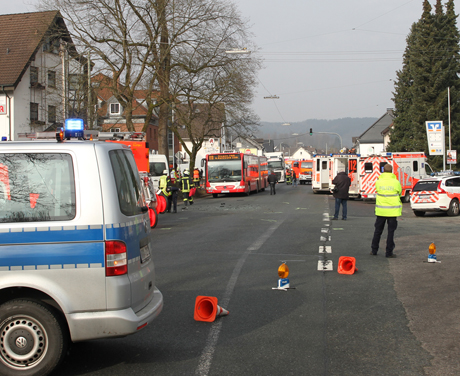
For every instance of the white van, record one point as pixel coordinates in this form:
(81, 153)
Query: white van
(158, 163)
(75, 256)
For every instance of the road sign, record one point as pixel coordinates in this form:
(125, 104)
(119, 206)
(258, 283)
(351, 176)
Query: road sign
(211, 141)
(435, 136)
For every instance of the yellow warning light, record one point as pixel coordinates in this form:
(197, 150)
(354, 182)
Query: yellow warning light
(283, 271)
(432, 249)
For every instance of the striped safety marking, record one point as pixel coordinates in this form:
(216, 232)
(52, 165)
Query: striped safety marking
(424, 197)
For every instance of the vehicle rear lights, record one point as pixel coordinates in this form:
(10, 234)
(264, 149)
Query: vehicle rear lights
(116, 258)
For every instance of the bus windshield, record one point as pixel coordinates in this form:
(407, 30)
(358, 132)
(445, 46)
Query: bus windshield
(276, 165)
(224, 171)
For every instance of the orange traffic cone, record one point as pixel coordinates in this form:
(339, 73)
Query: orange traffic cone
(347, 265)
(206, 309)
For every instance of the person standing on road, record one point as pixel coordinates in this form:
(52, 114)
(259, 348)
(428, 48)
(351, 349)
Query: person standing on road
(342, 184)
(294, 178)
(186, 185)
(165, 187)
(388, 208)
(272, 180)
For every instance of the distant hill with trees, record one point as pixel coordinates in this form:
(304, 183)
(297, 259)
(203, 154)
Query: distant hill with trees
(345, 127)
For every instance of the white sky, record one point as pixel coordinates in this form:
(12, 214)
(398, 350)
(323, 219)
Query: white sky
(325, 59)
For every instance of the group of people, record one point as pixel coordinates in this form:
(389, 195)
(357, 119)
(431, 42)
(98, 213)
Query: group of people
(388, 206)
(170, 184)
(291, 177)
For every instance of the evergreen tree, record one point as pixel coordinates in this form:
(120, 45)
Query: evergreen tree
(430, 67)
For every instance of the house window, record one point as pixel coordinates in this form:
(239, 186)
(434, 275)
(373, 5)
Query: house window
(51, 78)
(33, 111)
(115, 130)
(52, 114)
(33, 75)
(115, 108)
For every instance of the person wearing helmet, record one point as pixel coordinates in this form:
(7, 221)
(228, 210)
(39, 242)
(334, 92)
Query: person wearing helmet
(165, 186)
(186, 185)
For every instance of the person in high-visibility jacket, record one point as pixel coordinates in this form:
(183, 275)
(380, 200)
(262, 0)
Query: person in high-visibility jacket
(165, 186)
(388, 207)
(196, 177)
(186, 185)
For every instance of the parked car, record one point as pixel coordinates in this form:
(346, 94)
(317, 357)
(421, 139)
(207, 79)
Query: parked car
(440, 193)
(75, 256)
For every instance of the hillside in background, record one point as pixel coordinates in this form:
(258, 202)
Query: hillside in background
(345, 127)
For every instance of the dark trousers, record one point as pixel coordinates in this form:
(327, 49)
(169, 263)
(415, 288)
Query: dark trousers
(379, 226)
(272, 188)
(339, 201)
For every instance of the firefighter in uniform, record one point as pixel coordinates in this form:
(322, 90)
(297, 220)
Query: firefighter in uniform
(186, 185)
(388, 208)
(288, 177)
(165, 186)
(196, 177)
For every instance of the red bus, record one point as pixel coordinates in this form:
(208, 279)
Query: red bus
(235, 173)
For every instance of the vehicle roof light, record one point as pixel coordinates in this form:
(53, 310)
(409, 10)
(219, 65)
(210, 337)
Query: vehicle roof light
(74, 128)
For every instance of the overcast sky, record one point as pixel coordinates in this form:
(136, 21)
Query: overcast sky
(324, 59)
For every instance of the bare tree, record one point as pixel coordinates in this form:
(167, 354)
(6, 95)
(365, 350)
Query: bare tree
(166, 45)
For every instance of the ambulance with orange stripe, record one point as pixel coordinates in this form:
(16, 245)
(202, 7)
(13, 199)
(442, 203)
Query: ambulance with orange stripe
(408, 167)
(439, 193)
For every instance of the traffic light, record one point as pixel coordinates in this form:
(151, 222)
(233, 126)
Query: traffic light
(311, 132)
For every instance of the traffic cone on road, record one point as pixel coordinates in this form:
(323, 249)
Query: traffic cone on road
(347, 265)
(206, 309)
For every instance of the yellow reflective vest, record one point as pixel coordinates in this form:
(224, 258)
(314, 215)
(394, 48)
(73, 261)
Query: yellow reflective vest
(388, 201)
(163, 184)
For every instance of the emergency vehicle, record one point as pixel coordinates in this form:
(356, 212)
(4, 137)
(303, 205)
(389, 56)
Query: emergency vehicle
(409, 168)
(235, 173)
(439, 193)
(322, 173)
(305, 171)
(349, 164)
(76, 259)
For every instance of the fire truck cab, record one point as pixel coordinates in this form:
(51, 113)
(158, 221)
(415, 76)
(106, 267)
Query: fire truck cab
(408, 167)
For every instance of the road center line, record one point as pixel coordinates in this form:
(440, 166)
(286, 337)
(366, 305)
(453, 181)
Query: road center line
(208, 352)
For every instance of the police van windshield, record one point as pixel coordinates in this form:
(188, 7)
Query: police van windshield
(36, 187)
(224, 171)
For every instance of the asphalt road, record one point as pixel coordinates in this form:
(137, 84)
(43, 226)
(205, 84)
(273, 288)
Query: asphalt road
(393, 317)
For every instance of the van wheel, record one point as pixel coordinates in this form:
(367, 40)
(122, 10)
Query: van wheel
(33, 338)
(453, 208)
(419, 213)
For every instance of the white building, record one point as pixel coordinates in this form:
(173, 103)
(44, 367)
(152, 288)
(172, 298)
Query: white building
(40, 74)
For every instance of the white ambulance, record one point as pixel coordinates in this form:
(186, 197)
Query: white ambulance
(349, 163)
(409, 167)
(322, 173)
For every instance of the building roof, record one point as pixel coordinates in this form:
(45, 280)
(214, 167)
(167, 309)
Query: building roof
(373, 135)
(21, 36)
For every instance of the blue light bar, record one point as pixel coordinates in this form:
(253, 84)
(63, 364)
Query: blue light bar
(74, 128)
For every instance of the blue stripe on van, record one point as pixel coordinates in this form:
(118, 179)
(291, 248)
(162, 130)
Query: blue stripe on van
(51, 256)
(53, 234)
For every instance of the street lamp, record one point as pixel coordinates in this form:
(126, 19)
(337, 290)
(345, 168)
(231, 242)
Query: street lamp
(341, 147)
(240, 51)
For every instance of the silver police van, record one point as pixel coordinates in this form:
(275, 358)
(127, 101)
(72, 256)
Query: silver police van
(75, 256)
